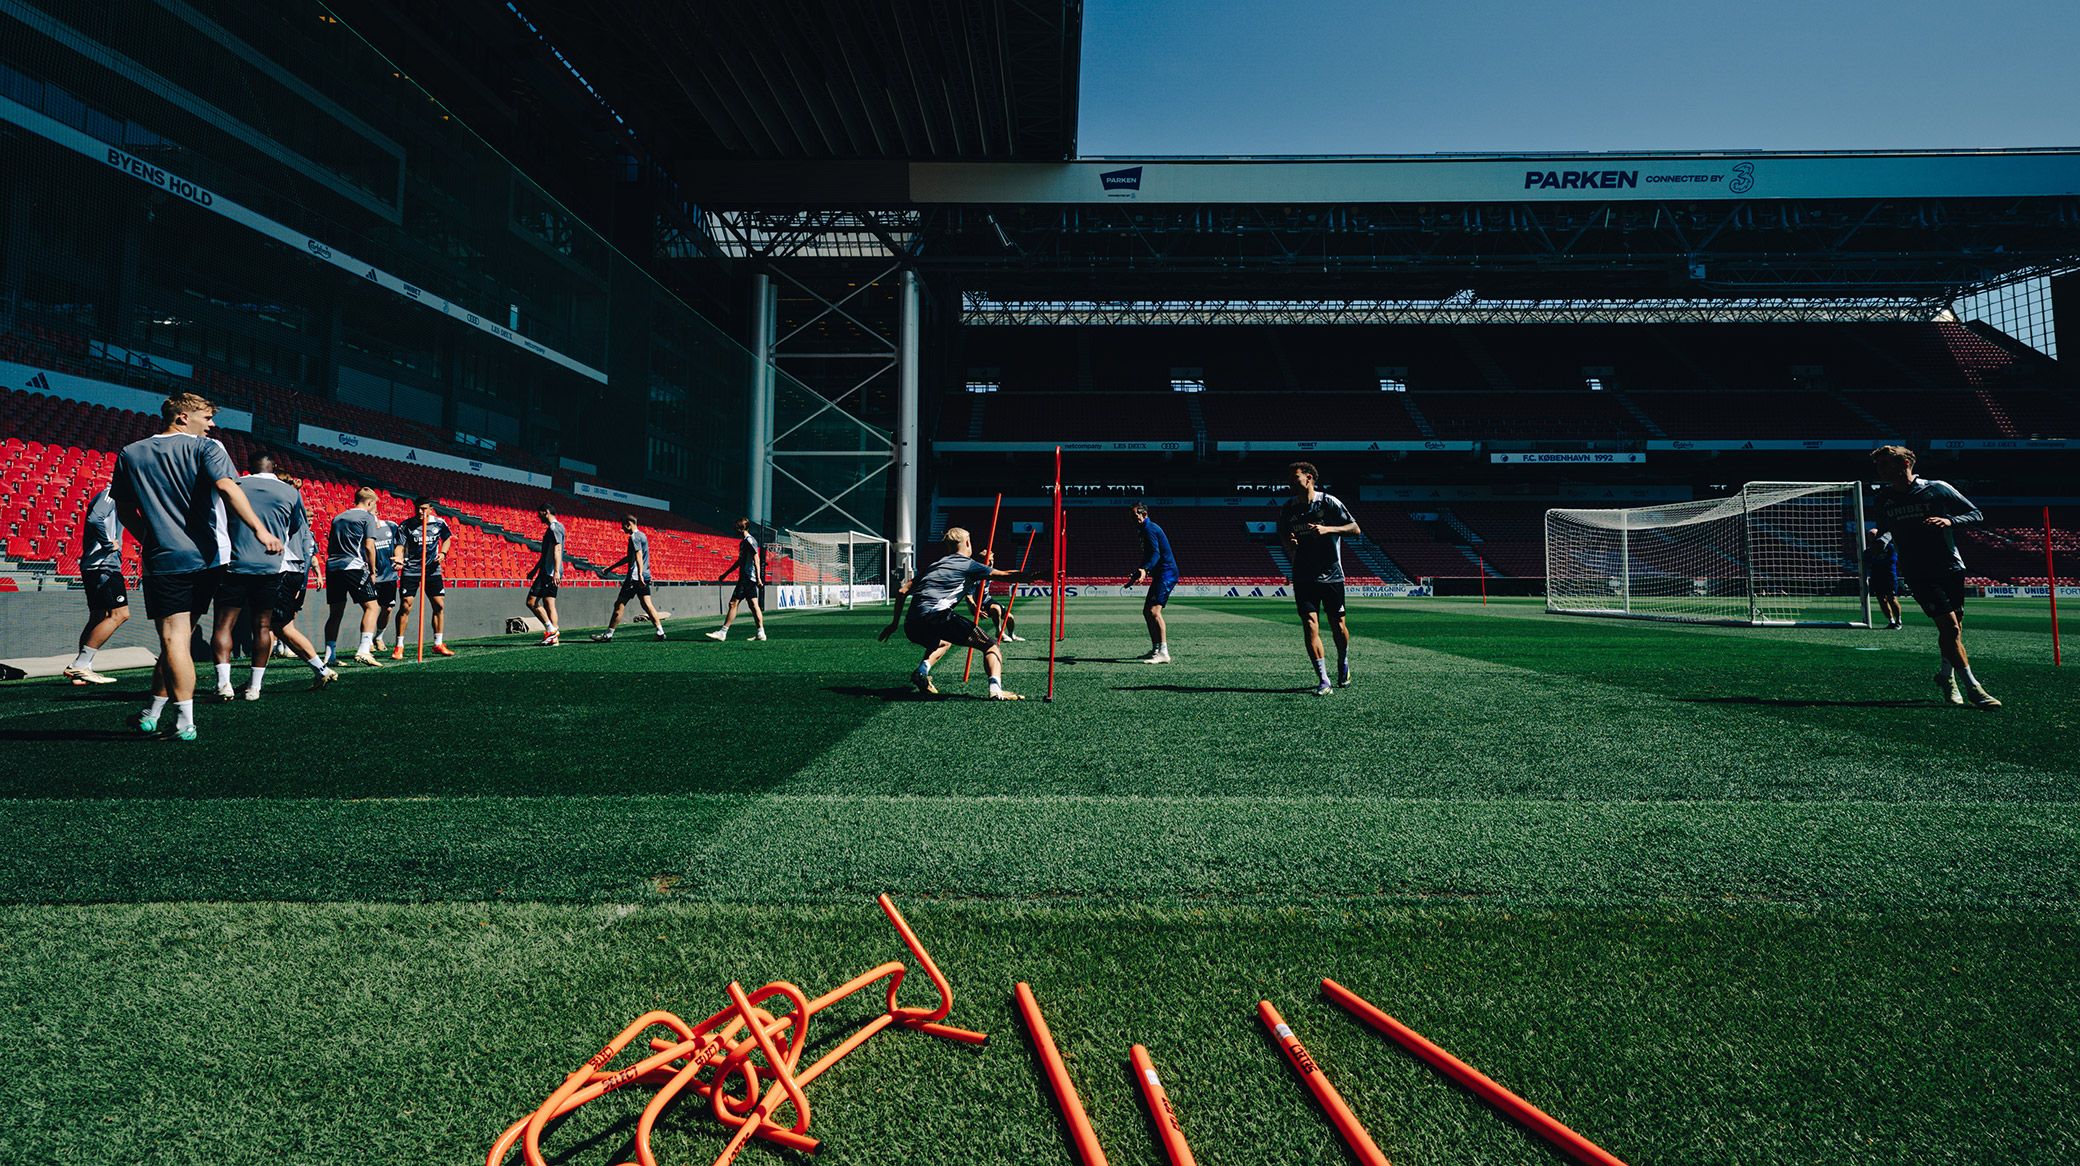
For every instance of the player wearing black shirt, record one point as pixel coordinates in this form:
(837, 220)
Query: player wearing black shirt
(1314, 524)
(1922, 515)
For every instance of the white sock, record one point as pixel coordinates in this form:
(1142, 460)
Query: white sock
(368, 641)
(184, 714)
(259, 678)
(317, 663)
(608, 634)
(1321, 668)
(223, 676)
(1965, 677)
(157, 706)
(1164, 647)
(437, 638)
(996, 683)
(85, 659)
(331, 651)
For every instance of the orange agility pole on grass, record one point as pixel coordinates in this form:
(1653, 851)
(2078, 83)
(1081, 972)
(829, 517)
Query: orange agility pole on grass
(1303, 1063)
(1536, 1119)
(715, 1059)
(1159, 1107)
(1081, 1135)
(989, 550)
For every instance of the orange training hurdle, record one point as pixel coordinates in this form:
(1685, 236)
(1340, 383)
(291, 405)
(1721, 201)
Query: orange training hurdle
(714, 1059)
(1303, 1063)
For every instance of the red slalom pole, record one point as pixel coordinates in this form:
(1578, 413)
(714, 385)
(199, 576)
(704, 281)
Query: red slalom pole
(2051, 587)
(1362, 1146)
(425, 560)
(982, 596)
(1537, 1120)
(1054, 606)
(1483, 565)
(1012, 600)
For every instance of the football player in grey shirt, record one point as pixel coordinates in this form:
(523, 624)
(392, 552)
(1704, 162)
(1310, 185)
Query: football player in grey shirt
(750, 569)
(422, 543)
(1315, 524)
(101, 571)
(383, 568)
(253, 581)
(1922, 515)
(545, 578)
(171, 492)
(634, 585)
(350, 550)
(935, 621)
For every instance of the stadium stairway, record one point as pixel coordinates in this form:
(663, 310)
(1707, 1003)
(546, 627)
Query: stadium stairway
(1638, 414)
(1415, 414)
(1376, 561)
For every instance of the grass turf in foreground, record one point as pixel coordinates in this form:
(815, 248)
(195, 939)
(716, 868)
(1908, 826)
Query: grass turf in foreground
(1709, 895)
(412, 1033)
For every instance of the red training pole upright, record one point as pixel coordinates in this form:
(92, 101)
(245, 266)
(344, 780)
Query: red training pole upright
(982, 596)
(424, 562)
(2051, 586)
(1054, 604)
(1482, 564)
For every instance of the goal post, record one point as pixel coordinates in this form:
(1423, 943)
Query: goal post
(843, 568)
(1776, 554)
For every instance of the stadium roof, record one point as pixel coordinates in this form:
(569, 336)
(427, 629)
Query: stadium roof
(830, 79)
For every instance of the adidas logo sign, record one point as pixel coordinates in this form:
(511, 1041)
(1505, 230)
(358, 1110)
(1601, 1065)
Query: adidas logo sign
(40, 383)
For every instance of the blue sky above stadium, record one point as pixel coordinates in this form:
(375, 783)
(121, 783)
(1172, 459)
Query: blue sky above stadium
(1389, 77)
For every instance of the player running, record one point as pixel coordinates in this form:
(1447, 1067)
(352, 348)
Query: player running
(1159, 570)
(253, 581)
(750, 569)
(547, 574)
(635, 585)
(424, 530)
(350, 549)
(1315, 523)
(299, 551)
(383, 574)
(1881, 574)
(935, 621)
(171, 491)
(1921, 515)
(101, 570)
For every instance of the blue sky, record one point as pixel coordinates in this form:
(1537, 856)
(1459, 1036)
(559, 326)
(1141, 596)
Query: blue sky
(1390, 77)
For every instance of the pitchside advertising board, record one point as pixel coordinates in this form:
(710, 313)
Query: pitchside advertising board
(1509, 178)
(318, 437)
(1213, 591)
(2004, 591)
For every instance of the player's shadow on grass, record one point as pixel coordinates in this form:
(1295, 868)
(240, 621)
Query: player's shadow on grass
(1097, 659)
(1788, 702)
(898, 694)
(75, 735)
(1206, 688)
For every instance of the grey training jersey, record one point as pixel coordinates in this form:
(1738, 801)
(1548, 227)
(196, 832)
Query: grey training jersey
(1923, 550)
(280, 510)
(343, 549)
(299, 546)
(748, 561)
(1319, 557)
(944, 582)
(552, 538)
(101, 535)
(638, 557)
(385, 568)
(171, 479)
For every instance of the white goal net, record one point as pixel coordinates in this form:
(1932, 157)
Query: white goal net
(843, 568)
(1775, 554)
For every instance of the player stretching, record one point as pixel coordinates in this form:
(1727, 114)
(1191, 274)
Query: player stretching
(546, 574)
(350, 548)
(1314, 524)
(253, 581)
(101, 569)
(1921, 515)
(1881, 571)
(424, 529)
(751, 583)
(936, 623)
(636, 585)
(1160, 571)
(299, 550)
(382, 573)
(171, 491)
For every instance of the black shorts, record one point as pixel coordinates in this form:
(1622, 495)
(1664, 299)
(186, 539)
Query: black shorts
(435, 586)
(188, 591)
(348, 583)
(947, 627)
(106, 591)
(544, 588)
(249, 592)
(1884, 586)
(386, 593)
(755, 592)
(1325, 597)
(289, 589)
(631, 588)
(1938, 594)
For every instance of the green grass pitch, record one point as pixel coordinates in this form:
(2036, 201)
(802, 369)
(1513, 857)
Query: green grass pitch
(1707, 895)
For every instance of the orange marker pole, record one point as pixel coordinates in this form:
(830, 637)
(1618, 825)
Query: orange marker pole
(1347, 1123)
(982, 596)
(425, 561)
(1054, 600)
(1023, 559)
(1159, 1105)
(2051, 586)
(1081, 1136)
(1537, 1120)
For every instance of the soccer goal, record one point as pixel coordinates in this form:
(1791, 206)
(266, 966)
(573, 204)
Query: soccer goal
(1777, 554)
(830, 568)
